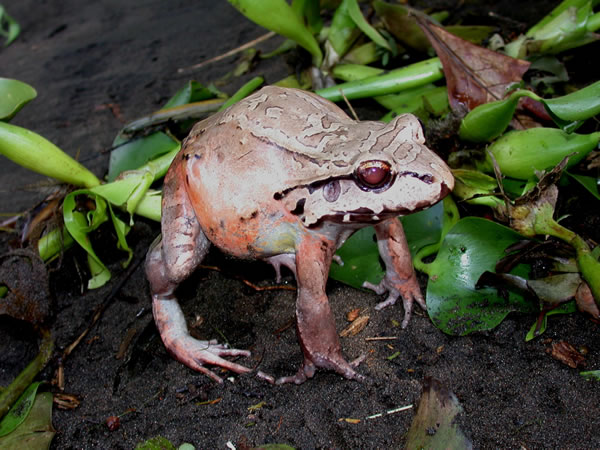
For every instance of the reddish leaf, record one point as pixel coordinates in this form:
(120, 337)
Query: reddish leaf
(474, 75)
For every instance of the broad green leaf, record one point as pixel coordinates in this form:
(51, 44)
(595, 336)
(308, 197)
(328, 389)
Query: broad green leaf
(191, 92)
(423, 228)
(36, 432)
(14, 94)
(137, 152)
(9, 28)
(360, 257)
(20, 410)
(471, 247)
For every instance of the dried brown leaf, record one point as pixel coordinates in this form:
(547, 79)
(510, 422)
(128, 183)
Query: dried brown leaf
(567, 354)
(355, 327)
(474, 75)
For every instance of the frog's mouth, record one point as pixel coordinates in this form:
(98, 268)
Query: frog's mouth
(368, 216)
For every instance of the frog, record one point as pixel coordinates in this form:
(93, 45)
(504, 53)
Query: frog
(286, 176)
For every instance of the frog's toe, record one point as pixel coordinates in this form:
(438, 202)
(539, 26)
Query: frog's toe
(197, 354)
(409, 290)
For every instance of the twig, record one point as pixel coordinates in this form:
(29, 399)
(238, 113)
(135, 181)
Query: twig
(391, 411)
(235, 51)
(382, 338)
(349, 105)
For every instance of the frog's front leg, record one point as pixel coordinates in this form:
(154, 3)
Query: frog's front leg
(315, 325)
(400, 278)
(170, 260)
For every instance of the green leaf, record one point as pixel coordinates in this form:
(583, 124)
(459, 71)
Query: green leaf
(577, 106)
(14, 94)
(191, 92)
(360, 256)
(364, 26)
(137, 152)
(488, 121)
(9, 28)
(20, 410)
(80, 225)
(156, 443)
(535, 331)
(36, 153)
(423, 228)
(36, 432)
(471, 247)
(591, 375)
(247, 89)
(590, 183)
(278, 16)
(520, 153)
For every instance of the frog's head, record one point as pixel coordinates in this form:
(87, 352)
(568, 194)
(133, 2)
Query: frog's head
(389, 173)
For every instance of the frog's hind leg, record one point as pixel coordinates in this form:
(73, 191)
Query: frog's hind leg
(170, 260)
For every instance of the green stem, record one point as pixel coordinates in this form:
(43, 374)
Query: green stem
(243, 92)
(53, 242)
(24, 379)
(414, 75)
(588, 265)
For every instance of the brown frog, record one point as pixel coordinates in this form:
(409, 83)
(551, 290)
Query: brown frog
(286, 176)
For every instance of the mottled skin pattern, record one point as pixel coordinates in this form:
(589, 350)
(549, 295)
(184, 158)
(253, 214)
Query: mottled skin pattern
(286, 176)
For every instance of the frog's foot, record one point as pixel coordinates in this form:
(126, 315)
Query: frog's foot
(408, 289)
(285, 259)
(322, 350)
(335, 363)
(192, 352)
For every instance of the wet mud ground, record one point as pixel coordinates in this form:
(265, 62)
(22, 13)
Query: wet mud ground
(83, 57)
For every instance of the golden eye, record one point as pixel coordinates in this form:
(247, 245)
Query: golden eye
(373, 174)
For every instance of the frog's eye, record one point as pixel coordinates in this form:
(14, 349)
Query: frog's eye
(372, 175)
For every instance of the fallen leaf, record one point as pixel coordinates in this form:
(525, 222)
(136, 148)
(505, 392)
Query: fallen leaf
(474, 75)
(567, 354)
(355, 327)
(352, 315)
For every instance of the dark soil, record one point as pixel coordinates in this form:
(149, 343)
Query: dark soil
(82, 56)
